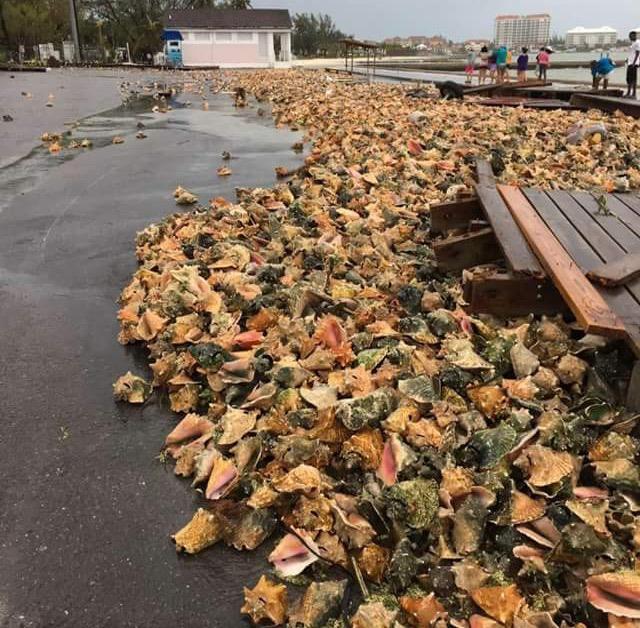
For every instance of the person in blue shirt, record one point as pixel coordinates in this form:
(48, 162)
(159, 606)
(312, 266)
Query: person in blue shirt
(601, 70)
(501, 62)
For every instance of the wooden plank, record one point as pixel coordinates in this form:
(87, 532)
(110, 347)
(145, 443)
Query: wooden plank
(607, 103)
(579, 248)
(520, 258)
(589, 308)
(631, 201)
(617, 273)
(466, 251)
(457, 215)
(626, 216)
(500, 88)
(633, 394)
(583, 254)
(565, 93)
(507, 295)
(587, 223)
(484, 171)
(527, 103)
(600, 231)
(618, 225)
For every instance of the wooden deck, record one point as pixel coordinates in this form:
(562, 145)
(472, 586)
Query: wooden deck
(527, 103)
(533, 251)
(564, 92)
(607, 103)
(595, 235)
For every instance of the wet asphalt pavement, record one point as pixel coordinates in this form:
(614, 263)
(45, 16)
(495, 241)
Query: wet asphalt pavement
(86, 509)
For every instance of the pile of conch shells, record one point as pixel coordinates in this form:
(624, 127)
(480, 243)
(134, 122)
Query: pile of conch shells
(405, 463)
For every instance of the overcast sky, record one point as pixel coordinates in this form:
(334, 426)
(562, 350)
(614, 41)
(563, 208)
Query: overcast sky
(459, 19)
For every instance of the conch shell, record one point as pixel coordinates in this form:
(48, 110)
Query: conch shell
(545, 466)
(501, 603)
(266, 601)
(304, 478)
(616, 593)
(291, 556)
(204, 529)
(191, 426)
(223, 477)
(423, 612)
(333, 337)
(525, 509)
(395, 456)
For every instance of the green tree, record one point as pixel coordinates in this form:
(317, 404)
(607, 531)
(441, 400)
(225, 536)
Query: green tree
(313, 33)
(31, 22)
(140, 22)
(235, 4)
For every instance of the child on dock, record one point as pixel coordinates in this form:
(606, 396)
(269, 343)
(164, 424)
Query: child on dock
(469, 67)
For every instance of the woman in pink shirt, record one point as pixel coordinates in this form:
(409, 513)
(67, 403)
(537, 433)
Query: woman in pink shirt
(544, 59)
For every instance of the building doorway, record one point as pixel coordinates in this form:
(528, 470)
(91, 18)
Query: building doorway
(277, 46)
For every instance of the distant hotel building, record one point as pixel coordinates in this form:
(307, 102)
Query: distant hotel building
(522, 30)
(580, 37)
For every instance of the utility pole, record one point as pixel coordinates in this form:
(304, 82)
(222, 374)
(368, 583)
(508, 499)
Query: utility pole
(73, 20)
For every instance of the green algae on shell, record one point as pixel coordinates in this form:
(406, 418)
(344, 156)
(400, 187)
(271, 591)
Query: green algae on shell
(415, 501)
(403, 567)
(419, 389)
(320, 603)
(371, 358)
(131, 388)
(442, 322)
(366, 411)
(493, 444)
(469, 524)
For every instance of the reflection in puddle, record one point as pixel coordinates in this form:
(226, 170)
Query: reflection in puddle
(24, 174)
(125, 121)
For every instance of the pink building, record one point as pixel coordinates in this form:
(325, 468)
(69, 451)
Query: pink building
(228, 38)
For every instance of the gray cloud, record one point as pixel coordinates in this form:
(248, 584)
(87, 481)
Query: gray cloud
(459, 19)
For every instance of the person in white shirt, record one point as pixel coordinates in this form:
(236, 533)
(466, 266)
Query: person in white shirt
(633, 62)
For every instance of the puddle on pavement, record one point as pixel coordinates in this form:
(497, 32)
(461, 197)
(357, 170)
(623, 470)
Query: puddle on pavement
(186, 113)
(23, 175)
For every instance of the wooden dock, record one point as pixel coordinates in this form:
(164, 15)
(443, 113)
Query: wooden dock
(607, 103)
(527, 103)
(559, 92)
(534, 251)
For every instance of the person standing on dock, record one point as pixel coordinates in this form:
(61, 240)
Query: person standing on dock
(601, 71)
(493, 67)
(507, 77)
(633, 62)
(543, 58)
(523, 65)
(468, 70)
(501, 62)
(483, 65)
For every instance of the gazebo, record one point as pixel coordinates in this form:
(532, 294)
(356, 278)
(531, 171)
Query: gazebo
(351, 46)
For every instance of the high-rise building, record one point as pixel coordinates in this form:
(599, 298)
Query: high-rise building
(522, 30)
(580, 37)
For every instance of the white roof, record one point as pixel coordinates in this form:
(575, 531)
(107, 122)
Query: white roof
(581, 30)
